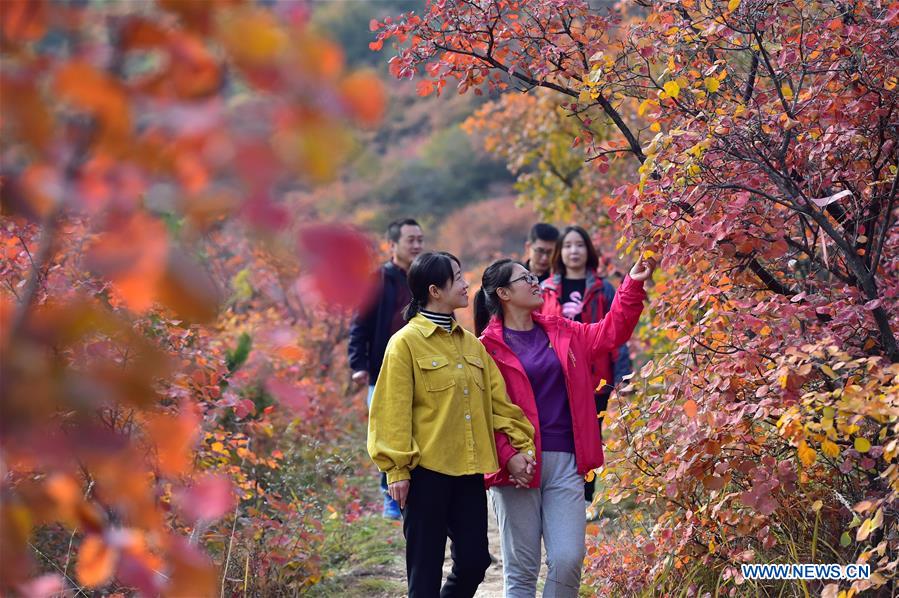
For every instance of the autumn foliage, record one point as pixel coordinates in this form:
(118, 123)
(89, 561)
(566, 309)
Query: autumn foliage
(169, 322)
(752, 145)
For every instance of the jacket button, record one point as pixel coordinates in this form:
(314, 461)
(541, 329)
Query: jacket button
(459, 365)
(434, 363)
(465, 391)
(468, 416)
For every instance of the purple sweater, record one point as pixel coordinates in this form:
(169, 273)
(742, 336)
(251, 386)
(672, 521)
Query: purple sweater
(548, 383)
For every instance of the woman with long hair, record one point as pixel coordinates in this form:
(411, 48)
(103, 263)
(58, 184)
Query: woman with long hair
(576, 291)
(546, 361)
(438, 403)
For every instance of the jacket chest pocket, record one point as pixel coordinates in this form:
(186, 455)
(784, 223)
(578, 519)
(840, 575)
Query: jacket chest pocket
(477, 369)
(436, 373)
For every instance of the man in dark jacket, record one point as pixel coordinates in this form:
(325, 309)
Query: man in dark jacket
(539, 249)
(373, 327)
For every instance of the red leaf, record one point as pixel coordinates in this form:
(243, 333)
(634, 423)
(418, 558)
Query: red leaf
(340, 262)
(46, 585)
(208, 499)
(244, 408)
(288, 394)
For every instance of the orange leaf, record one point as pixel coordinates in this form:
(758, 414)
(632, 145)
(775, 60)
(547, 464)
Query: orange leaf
(194, 71)
(22, 107)
(290, 353)
(174, 437)
(188, 289)
(89, 89)
(96, 561)
(140, 33)
(425, 88)
(66, 494)
(132, 254)
(690, 408)
(364, 95)
(23, 20)
(192, 573)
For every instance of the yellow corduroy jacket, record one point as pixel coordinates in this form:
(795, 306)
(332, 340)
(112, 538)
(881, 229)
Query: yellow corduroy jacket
(437, 402)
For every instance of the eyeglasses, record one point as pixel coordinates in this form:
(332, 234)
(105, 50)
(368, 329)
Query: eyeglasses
(543, 252)
(529, 278)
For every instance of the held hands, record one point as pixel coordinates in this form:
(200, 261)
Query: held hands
(360, 378)
(521, 469)
(399, 491)
(643, 269)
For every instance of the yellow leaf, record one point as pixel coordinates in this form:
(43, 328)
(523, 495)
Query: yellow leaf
(590, 476)
(829, 371)
(862, 445)
(253, 36)
(830, 449)
(864, 530)
(787, 91)
(645, 105)
(672, 89)
(655, 127)
(712, 84)
(733, 5)
(806, 454)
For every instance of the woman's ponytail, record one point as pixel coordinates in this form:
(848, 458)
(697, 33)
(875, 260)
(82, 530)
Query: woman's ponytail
(481, 312)
(411, 310)
(486, 301)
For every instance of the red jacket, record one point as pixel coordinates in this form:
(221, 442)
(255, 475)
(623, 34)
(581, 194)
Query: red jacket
(598, 295)
(576, 345)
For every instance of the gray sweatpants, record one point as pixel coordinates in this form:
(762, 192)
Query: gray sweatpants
(555, 512)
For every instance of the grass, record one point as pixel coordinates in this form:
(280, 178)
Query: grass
(364, 559)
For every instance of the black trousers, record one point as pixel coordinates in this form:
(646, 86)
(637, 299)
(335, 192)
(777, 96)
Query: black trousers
(602, 403)
(441, 506)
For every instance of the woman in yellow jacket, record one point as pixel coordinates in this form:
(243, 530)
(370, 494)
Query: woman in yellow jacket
(438, 401)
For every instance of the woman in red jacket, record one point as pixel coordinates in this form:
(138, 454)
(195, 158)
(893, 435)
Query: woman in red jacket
(578, 292)
(546, 363)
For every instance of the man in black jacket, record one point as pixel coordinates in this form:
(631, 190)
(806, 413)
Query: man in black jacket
(539, 249)
(373, 327)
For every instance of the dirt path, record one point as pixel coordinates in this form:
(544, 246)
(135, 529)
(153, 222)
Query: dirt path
(492, 586)
(377, 566)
